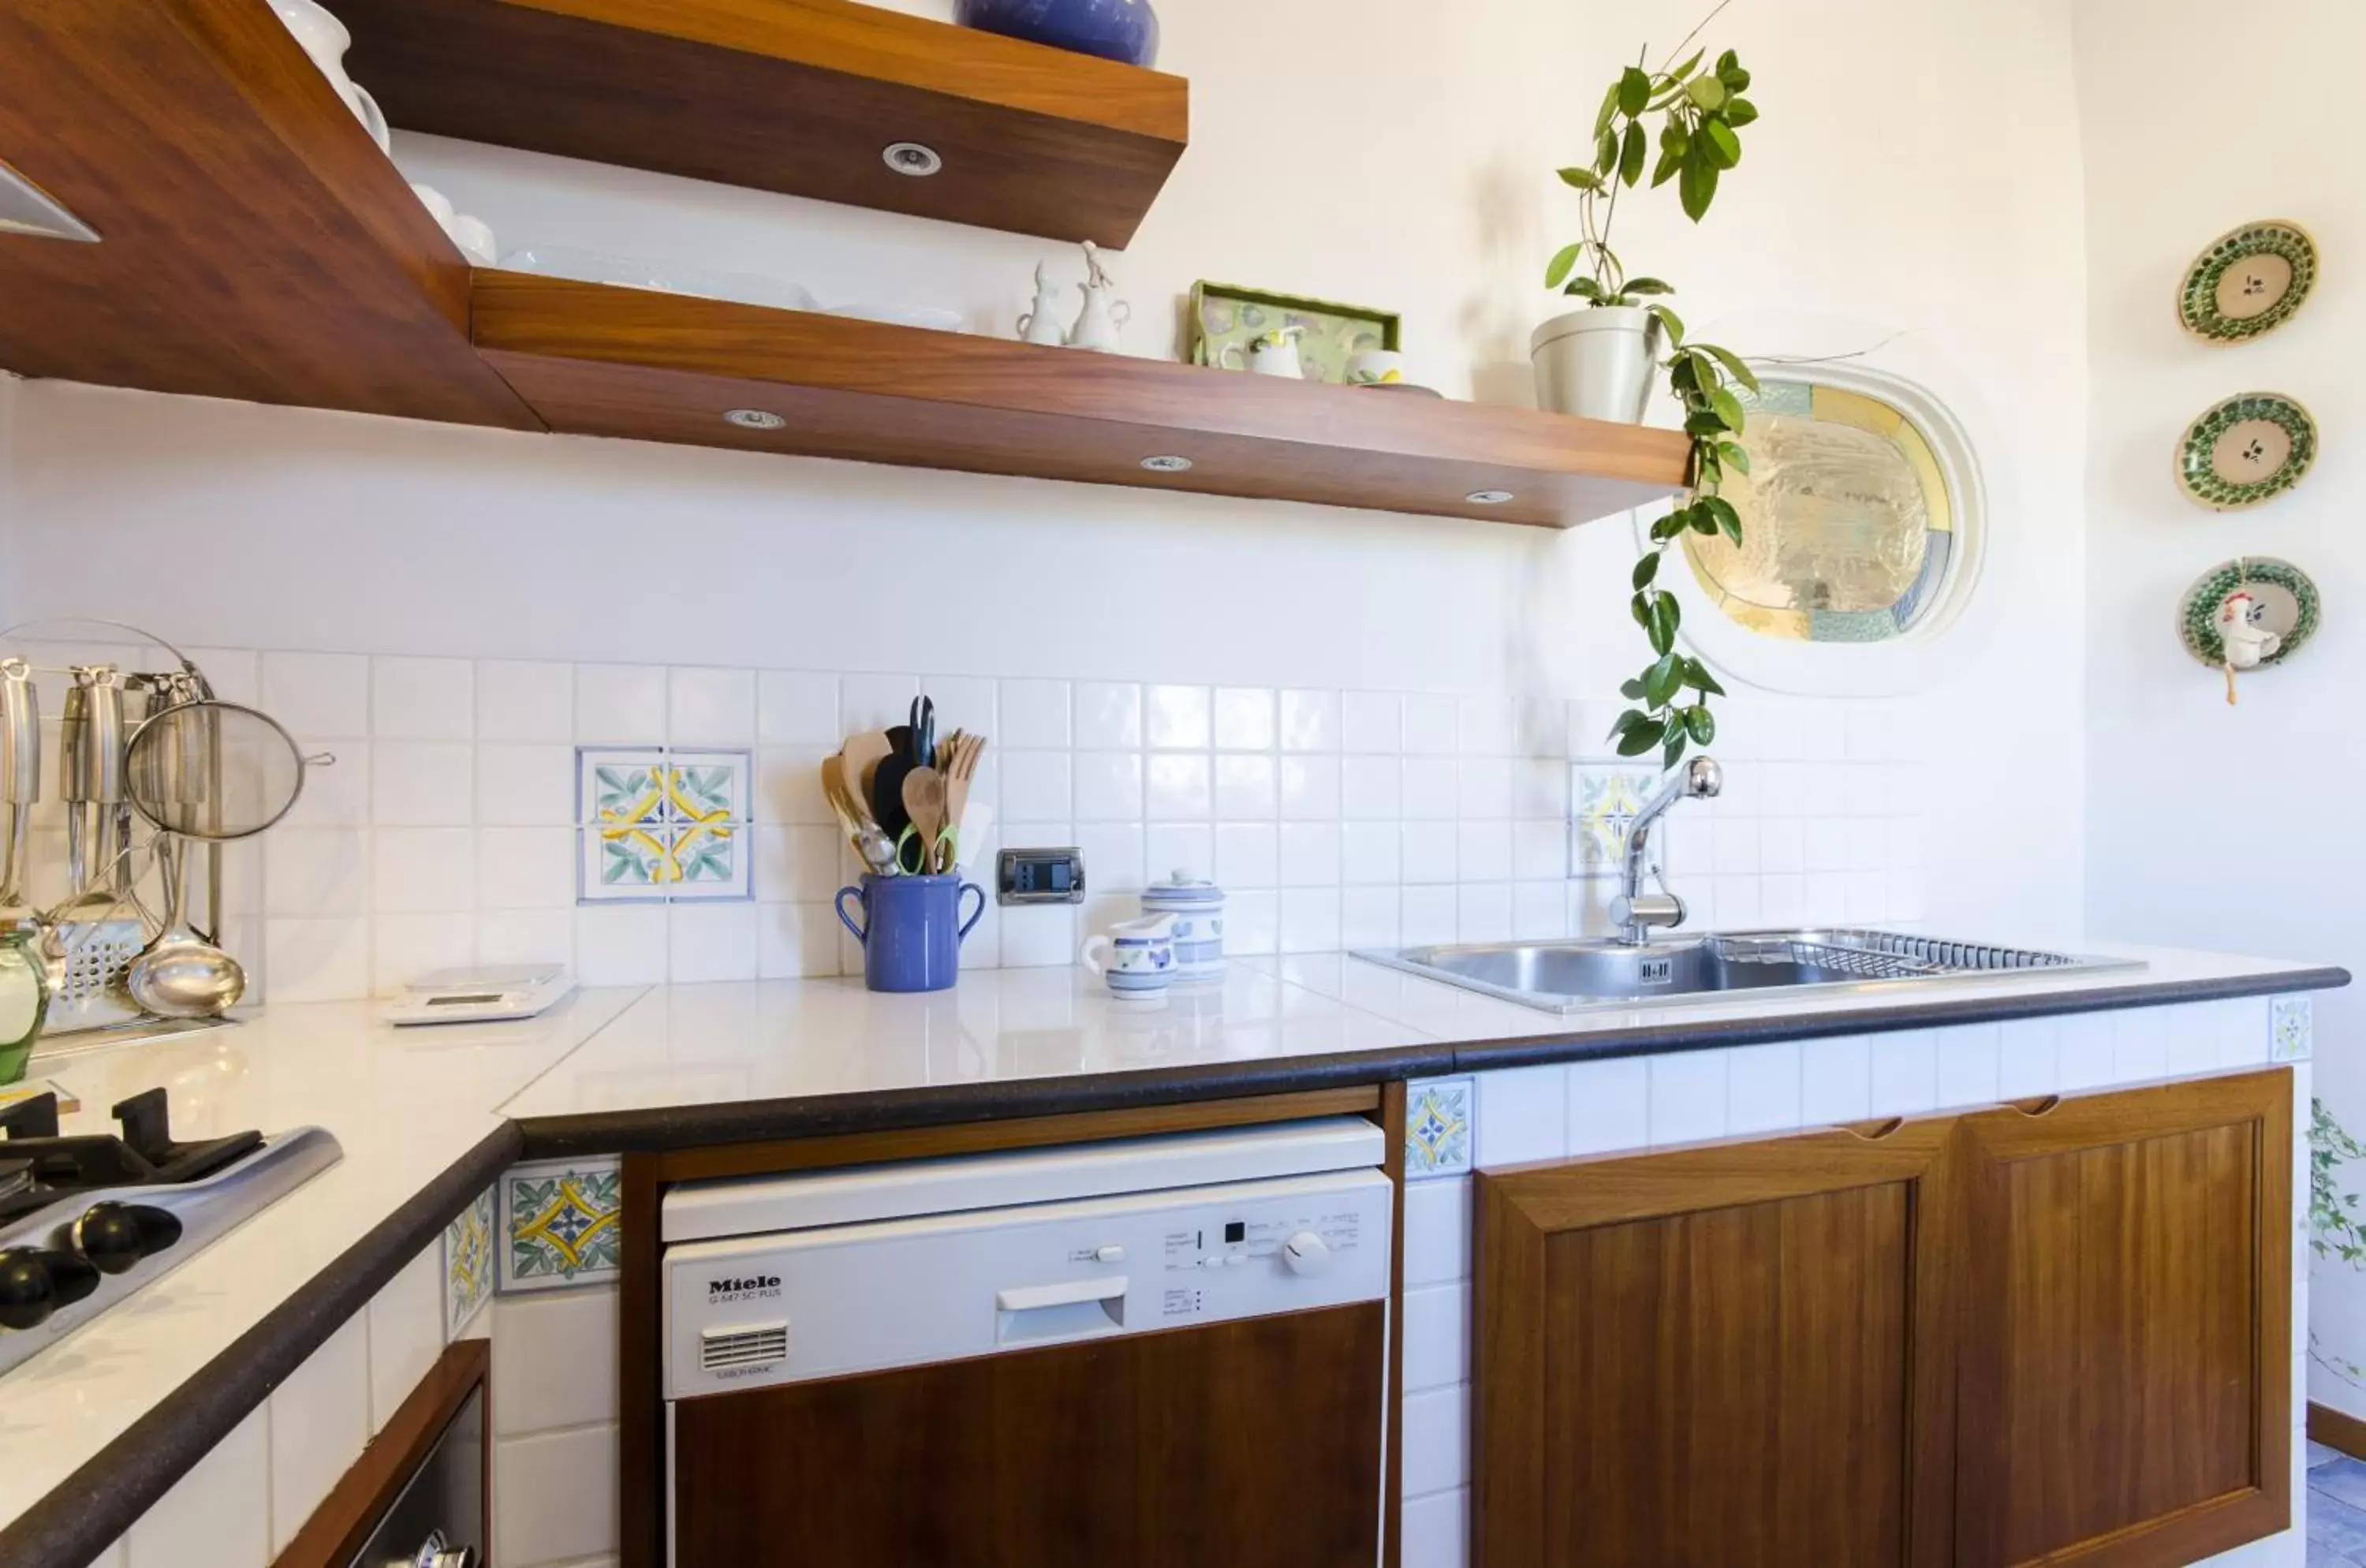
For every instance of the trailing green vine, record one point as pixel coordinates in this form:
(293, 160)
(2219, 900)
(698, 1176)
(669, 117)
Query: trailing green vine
(2335, 1228)
(1698, 112)
(1674, 690)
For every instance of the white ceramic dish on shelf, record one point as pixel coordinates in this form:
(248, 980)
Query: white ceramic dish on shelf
(922, 316)
(663, 277)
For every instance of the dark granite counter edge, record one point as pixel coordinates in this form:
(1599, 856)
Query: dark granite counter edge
(84, 1514)
(691, 1126)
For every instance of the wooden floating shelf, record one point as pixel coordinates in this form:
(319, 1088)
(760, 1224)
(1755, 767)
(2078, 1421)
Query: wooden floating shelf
(795, 95)
(256, 244)
(253, 243)
(596, 360)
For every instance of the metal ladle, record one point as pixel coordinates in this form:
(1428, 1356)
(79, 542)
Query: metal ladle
(211, 770)
(181, 975)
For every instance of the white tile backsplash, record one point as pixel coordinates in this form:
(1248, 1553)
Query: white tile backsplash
(1362, 818)
(318, 696)
(1107, 714)
(319, 1420)
(620, 705)
(423, 699)
(711, 707)
(525, 699)
(1244, 719)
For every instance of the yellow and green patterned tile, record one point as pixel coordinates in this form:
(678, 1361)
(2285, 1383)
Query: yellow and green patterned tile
(561, 1223)
(469, 1270)
(1439, 1132)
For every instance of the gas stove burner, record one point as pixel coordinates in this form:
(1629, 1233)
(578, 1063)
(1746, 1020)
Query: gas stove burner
(87, 1219)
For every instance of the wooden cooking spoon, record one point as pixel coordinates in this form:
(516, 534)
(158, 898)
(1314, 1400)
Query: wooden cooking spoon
(924, 802)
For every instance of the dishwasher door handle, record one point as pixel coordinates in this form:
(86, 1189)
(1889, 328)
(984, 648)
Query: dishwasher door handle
(1064, 1310)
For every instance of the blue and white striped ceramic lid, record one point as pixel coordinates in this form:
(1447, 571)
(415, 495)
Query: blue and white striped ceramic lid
(1182, 891)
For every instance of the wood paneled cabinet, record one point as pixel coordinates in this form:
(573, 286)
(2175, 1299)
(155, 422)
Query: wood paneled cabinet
(2053, 1333)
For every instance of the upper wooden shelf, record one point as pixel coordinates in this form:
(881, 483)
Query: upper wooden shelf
(253, 243)
(795, 96)
(602, 361)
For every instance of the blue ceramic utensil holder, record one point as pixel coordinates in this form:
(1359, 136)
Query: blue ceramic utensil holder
(1124, 30)
(911, 931)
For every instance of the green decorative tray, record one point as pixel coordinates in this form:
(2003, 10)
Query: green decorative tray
(2249, 282)
(2288, 598)
(2247, 450)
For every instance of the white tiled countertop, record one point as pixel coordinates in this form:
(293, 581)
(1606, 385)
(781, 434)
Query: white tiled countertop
(408, 1105)
(686, 1046)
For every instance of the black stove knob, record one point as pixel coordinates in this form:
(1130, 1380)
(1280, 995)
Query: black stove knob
(118, 1235)
(71, 1276)
(28, 1292)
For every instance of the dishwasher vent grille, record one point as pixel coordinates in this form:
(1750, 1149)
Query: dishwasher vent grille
(721, 1347)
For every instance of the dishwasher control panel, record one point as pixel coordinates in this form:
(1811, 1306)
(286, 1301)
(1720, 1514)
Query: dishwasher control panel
(789, 1306)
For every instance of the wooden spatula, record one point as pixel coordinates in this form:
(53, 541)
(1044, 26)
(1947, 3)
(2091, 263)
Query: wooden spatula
(863, 755)
(924, 802)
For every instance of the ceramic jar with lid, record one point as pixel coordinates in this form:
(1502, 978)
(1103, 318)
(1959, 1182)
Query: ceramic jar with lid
(1198, 909)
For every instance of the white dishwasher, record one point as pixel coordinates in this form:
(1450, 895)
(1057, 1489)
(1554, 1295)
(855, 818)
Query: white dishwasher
(1153, 1351)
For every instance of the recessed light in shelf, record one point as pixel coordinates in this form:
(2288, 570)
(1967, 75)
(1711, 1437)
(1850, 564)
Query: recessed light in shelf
(1168, 464)
(1488, 497)
(755, 419)
(911, 158)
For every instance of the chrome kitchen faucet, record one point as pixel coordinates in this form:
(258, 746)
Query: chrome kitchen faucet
(1638, 913)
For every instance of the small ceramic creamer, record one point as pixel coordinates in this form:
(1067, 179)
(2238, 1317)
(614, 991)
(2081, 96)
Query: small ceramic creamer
(1197, 907)
(1136, 959)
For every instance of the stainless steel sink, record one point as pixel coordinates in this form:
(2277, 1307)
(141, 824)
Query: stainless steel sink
(1575, 976)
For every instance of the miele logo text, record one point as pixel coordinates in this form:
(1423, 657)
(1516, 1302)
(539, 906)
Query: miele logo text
(733, 1287)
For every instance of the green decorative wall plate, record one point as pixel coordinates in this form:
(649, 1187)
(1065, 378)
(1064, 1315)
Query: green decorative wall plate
(2289, 606)
(2249, 281)
(2249, 449)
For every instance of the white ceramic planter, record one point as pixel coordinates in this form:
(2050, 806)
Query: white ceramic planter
(1596, 363)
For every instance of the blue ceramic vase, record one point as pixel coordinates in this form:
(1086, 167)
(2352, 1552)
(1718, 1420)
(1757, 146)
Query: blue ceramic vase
(1124, 30)
(911, 931)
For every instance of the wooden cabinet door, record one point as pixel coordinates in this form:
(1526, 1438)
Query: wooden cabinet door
(2125, 1325)
(1731, 1356)
(1253, 1444)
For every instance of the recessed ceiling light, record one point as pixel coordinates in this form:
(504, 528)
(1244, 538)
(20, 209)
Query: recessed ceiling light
(755, 419)
(911, 158)
(1488, 497)
(1168, 464)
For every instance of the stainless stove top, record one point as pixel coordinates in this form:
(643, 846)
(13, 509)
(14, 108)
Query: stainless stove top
(85, 1220)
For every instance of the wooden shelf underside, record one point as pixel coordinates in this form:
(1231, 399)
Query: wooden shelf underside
(600, 361)
(253, 243)
(800, 96)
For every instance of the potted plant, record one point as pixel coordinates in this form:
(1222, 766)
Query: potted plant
(1596, 361)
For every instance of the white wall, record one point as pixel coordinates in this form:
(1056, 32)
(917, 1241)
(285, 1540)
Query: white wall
(2209, 825)
(1395, 157)
(11, 569)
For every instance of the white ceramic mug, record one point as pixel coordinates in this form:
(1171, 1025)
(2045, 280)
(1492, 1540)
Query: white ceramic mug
(1267, 354)
(325, 40)
(475, 238)
(1136, 958)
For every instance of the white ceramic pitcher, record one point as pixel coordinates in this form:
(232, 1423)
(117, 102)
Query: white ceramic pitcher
(325, 40)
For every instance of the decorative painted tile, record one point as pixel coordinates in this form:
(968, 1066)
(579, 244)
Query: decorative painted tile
(1608, 797)
(560, 1223)
(661, 827)
(2292, 1028)
(468, 1267)
(707, 787)
(1438, 1131)
(616, 787)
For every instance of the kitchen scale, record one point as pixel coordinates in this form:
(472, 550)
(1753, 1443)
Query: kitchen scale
(480, 995)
